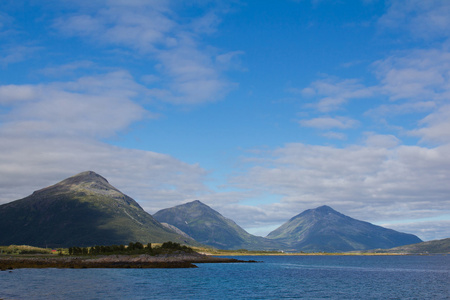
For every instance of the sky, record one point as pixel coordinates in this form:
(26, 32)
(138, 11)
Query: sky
(259, 109)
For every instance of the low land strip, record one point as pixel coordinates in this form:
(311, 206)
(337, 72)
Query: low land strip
(177, 260)
(135, 255)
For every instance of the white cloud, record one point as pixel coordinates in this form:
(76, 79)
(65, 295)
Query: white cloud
(419, 75)
(420, 81)
(382, 141)
(193, 76)
(155, 180)
(10, 94)
(51, 132)
(83, 25)
(366, 182)
(140, 26)
(421, 19)
(95, 106)
(67, 69)
(401, 109)
(192, 72)
(437, 126)
(335, 135)
(380, 179)
(333, 93)
(426, 230)
(11, 54)
(329, 123)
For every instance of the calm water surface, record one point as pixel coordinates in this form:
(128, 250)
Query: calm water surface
(277, 277)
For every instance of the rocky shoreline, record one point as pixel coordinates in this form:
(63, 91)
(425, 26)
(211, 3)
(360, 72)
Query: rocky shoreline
(112, 261)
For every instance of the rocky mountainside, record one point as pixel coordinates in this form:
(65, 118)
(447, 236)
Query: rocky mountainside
(324, 229)
(82, 210)
(209, 227)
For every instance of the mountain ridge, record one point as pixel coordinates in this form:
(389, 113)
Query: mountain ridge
(81, 210)
(324, 229)
(85, 209)
(209, 227)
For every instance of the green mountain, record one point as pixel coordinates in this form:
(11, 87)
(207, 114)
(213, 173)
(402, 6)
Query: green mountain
(324, 229)
(430, 247)
(82, 210)
(209, 227)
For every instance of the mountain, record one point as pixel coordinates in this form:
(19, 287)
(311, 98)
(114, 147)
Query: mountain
(430, 247)
(82, 210)
(324, 229)
(209, 227)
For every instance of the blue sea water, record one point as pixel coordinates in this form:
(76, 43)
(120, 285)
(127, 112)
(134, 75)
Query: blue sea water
(276, 277)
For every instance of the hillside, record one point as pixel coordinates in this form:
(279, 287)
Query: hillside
(209, 227)
(82, 210)
(324, 229)
(430, 247)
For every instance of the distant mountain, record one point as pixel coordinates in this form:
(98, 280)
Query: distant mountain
(209, 227)
(324, 229)
(82, 210)
(430, 247)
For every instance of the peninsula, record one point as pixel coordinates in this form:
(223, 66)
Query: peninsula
(178, 260)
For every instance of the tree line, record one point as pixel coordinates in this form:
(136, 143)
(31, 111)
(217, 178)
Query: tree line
(132, 248)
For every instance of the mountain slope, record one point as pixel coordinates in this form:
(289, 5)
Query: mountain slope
(324, 229)
(209, 227)
(82, 210)
(430, 247)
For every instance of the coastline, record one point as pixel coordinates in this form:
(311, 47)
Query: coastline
(249, 253)
(111, 261)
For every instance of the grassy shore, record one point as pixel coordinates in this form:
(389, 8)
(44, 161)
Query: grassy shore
(177, 260)
(15, 257)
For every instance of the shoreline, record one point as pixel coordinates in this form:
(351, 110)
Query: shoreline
(143, 261)
(312, 254)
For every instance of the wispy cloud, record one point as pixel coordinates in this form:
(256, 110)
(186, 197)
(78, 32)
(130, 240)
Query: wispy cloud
(155, 180)
(52, 131)
(11, 54)
(191, 72)
(329, 123)
(376, 177)
(143, 26)
(381, 140)
(367, 182)
(70, 69)
(436, 127)
(335, 135)
(427, 230)
(91, 106)
(332, 93)
(417, 75)
(421, 19)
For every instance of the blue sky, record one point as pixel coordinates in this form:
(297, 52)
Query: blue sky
(260, 109)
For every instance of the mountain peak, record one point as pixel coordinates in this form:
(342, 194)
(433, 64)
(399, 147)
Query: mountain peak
(195, 202)
(324, 208)
(87, 181)
(87, 176)
(318, 212)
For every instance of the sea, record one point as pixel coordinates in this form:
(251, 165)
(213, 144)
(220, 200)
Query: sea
(272, 277)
